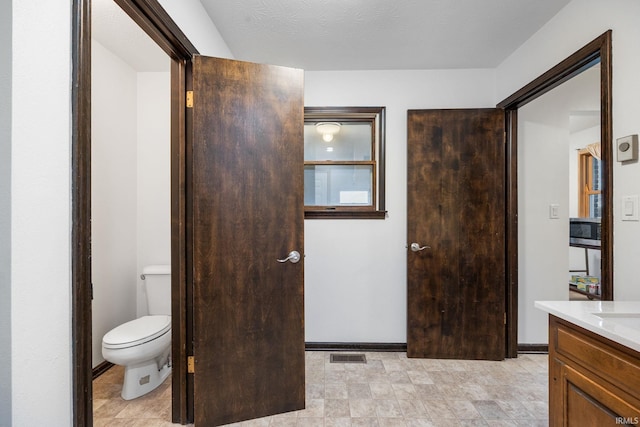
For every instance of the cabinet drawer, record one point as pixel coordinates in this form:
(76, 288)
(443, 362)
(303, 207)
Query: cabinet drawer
(615, 366)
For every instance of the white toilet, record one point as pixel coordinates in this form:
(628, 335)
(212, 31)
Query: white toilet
(143, 346)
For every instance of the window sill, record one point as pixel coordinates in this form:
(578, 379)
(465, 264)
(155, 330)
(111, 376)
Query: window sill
(331, 214)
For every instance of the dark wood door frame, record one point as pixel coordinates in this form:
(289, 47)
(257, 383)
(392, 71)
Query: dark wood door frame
(154, 20)
(598, 49)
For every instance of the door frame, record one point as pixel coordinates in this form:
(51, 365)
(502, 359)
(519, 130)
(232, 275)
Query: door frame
(155, 21)
(599, 48)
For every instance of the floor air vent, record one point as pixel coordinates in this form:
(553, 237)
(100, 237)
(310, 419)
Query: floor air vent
(348, 358)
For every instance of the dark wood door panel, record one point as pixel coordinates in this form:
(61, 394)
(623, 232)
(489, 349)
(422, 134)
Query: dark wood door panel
(455, 205)
(247, 214)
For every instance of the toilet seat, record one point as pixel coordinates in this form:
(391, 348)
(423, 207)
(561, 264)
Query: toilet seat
(136, 332)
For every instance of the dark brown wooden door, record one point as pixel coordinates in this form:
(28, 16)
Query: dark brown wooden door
(247, 166)
(456, 206)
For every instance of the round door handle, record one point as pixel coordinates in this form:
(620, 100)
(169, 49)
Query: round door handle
(415, 247)
(293, 257)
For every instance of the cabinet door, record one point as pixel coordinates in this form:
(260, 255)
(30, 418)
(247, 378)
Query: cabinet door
(588, 402)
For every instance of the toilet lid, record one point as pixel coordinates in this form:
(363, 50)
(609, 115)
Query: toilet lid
(138, 331)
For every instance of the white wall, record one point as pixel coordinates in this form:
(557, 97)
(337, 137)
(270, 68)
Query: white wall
(587, 19)
(153, 238)
(5, 213)
(194, 22)
(40, 204)
(113, 193)
(355, 270)
(41, 214)
(131, 198)
(543, 179)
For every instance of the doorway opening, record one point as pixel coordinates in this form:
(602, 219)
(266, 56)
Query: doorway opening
(130, 212)
(551, 131)
(597, 50)
(154, 21)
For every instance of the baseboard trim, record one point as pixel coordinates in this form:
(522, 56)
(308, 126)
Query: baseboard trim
(355, 346)
(348, 346)
(533, 348)
(101, 369)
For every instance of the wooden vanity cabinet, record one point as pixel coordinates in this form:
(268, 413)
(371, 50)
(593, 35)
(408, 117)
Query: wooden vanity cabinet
(593, 381)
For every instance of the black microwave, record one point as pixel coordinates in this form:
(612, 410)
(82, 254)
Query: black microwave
(585, 231)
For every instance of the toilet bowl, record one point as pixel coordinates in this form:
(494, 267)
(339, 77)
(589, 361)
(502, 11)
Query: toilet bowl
(143, 345)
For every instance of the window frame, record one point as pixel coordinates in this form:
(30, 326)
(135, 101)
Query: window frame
(585, 179)
(375, 115)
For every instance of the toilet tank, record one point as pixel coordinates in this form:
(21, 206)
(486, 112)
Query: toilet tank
(157, 280)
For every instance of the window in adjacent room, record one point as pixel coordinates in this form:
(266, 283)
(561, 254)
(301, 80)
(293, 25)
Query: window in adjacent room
(344, 162)
(589, 185)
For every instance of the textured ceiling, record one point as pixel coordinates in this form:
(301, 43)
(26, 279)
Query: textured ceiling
(378, 34)
(347, 34)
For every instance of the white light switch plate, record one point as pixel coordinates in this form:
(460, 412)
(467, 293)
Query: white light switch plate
(629, 208)
(554, 211)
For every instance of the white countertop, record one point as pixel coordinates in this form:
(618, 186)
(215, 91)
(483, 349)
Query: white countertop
(618, 321)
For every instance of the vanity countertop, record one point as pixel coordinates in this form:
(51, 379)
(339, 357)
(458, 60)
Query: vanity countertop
(618, 321)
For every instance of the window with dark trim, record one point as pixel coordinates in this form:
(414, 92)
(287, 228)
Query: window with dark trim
(344, 171)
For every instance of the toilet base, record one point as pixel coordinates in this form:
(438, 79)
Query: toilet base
(143, 378)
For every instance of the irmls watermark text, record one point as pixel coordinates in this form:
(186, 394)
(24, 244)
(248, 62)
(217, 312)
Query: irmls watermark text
(628, 420)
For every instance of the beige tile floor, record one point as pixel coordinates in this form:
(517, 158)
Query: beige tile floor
(109, 409)
(390, 390)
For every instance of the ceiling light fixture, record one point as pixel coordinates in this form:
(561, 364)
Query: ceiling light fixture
(328, 130)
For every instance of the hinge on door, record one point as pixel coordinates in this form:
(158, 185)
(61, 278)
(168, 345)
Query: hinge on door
(189, 99)
(191, 365)
(505, 318)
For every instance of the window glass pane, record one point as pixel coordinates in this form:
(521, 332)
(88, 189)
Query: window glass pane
(338, 185)
(597, 174)
(595, 206)
(352, 142)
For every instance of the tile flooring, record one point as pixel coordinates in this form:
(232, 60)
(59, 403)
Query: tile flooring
(109, 409)
(389, 390)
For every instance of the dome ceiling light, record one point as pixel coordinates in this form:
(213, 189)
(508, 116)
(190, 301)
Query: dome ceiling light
(328, 130)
